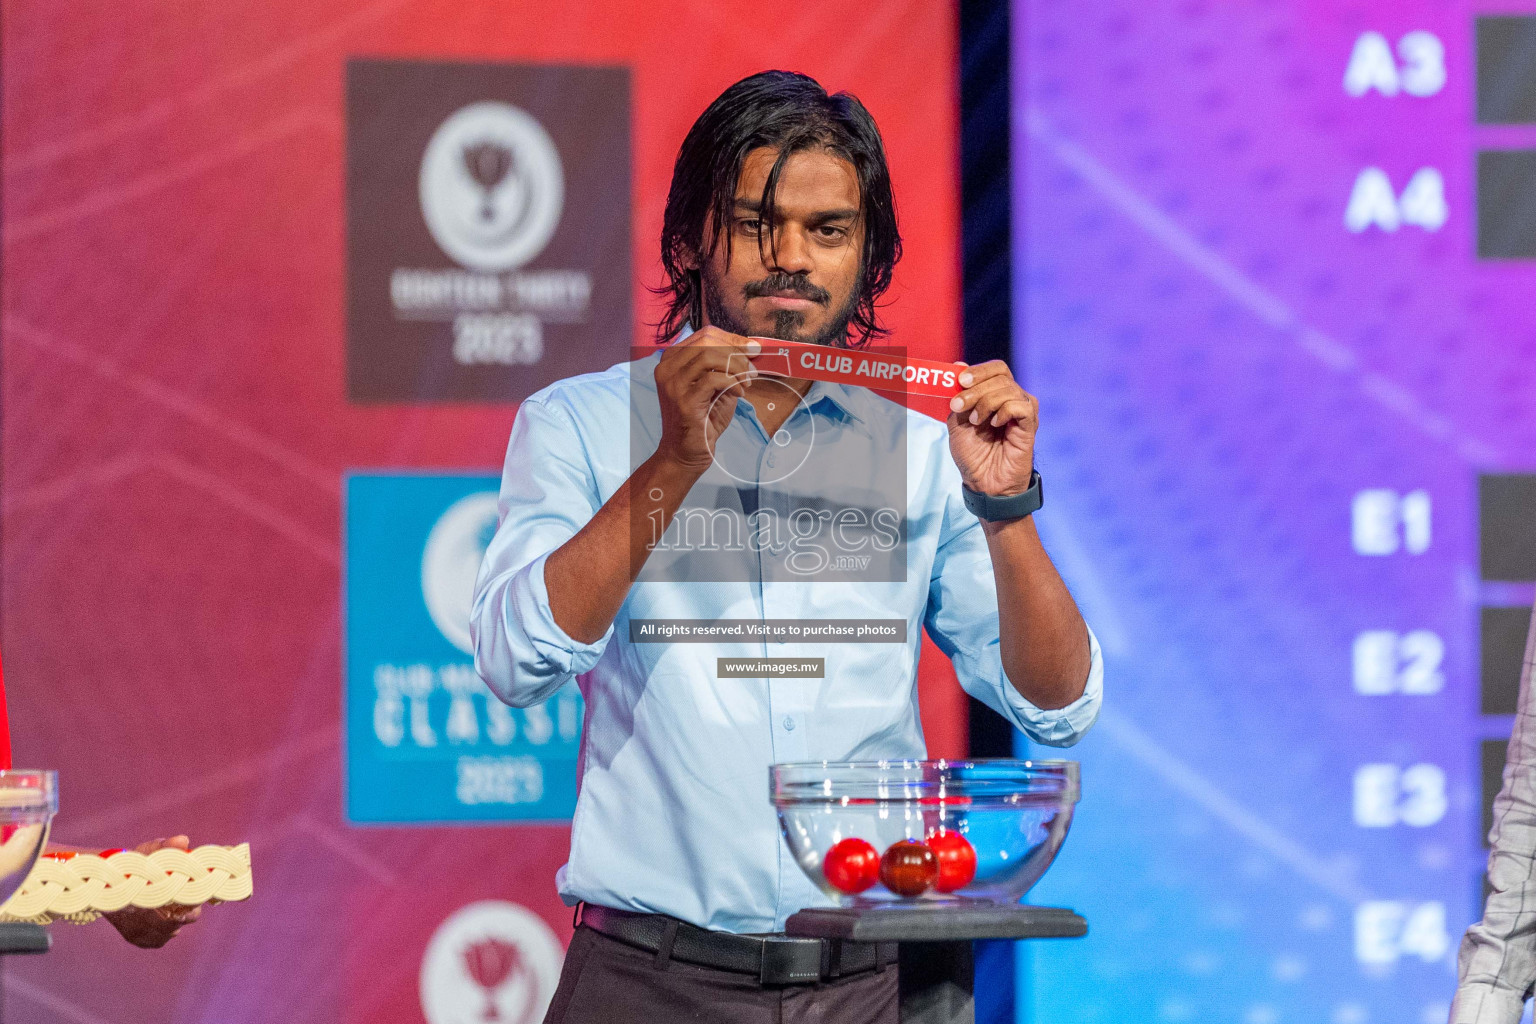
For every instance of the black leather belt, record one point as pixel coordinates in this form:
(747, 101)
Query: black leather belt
(774, 959)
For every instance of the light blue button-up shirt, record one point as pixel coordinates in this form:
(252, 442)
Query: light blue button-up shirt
(673, 815)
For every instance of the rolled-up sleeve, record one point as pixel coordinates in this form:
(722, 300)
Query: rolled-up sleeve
(548, 493)
(962, 619)
(1496, 965)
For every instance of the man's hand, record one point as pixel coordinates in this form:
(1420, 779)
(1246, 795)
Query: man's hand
(153, 927)
(992, 430)
(1045, 650)
(698, 381)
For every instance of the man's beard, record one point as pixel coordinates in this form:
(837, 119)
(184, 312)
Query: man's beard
(788, 324)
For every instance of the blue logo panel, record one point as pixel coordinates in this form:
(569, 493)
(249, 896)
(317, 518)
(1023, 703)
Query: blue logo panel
(426, 740)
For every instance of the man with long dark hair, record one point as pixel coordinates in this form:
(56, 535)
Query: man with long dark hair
(780, 224)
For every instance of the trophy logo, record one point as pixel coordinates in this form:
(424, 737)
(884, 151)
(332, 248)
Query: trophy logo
(491, 961)
(450, 560)
(488, 164)
(492, 187)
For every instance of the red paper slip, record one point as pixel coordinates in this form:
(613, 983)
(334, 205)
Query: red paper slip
(866, 369)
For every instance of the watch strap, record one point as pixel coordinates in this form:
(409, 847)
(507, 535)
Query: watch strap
(994, 508)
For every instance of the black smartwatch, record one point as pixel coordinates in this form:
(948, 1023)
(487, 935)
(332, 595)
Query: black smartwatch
(995, 509)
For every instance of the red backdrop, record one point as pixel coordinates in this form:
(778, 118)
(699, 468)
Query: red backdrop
(175, 428)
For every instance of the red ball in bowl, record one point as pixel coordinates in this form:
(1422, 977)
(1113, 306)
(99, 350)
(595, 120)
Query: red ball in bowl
(908, 868)
(852, 865)
(956, 858)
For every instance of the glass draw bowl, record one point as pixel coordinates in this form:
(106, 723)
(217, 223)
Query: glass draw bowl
(925, 831)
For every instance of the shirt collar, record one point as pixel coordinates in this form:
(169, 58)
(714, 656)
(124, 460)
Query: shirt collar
(851, 401)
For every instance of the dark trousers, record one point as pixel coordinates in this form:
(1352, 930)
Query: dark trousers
(605, 981)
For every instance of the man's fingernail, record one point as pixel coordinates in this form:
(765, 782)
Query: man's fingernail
(753, 348)
(966, 380)
(975, 417)
(956, 404)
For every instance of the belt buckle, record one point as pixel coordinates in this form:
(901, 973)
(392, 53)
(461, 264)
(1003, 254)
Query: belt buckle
(789, 961)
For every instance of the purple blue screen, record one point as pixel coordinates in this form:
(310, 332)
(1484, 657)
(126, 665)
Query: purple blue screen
(1266, 396)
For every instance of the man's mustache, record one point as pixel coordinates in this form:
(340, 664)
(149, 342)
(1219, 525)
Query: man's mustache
(782, 284)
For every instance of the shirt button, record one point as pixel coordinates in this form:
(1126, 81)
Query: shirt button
(770, 461)
(789, 724)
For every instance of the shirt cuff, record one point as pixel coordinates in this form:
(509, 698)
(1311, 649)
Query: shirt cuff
(1061, 727)
(552, 646)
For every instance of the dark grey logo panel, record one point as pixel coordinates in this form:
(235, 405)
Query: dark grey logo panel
(488, 217)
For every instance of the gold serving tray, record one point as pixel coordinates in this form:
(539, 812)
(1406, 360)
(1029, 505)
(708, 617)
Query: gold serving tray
(86, 886)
